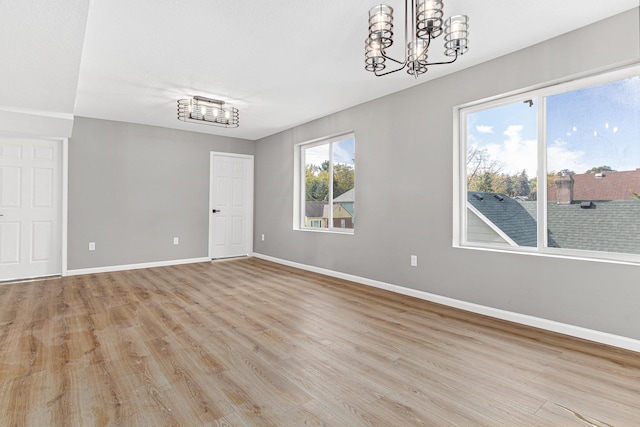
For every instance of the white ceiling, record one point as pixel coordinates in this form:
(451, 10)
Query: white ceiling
(282, 63)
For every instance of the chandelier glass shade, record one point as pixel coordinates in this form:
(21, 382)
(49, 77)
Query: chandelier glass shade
(424, 21)
(208, 111)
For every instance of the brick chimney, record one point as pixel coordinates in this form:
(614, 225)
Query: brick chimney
(564, 188)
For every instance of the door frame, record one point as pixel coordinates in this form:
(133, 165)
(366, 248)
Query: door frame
(64, 205)
(249, 230)
(63, 195)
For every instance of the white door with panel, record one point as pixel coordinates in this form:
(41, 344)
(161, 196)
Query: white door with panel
(30, 208)
(230, 205)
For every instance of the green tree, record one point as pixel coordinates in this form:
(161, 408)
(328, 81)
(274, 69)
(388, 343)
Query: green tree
(484, 183)
(343, 179)
(533, 185)
(479, 162)
(565, 172)
(509, 189)
(522, 187)
(316, 183)
(498, 183)
(600, 169)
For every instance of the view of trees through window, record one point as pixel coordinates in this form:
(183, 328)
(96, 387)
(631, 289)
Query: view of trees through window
(329, 182)
(592, 171)
(501, 150)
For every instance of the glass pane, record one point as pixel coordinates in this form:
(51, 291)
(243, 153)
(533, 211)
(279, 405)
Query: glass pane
(316, 205)
(343, 183)
(501, 165)
(593, 157)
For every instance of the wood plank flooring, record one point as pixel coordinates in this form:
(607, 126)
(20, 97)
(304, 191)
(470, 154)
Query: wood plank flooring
(250, 343)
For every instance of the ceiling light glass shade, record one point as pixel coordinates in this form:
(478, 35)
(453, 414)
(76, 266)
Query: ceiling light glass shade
(417, 57)
(373, 56)
(429, 23)
(381, 25)
(208, 112)
(456, 35)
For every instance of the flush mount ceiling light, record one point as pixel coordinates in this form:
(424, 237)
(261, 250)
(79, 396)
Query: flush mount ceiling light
(208, 111)
(423, 22)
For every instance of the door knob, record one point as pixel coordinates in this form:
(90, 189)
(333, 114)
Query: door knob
(215, 210)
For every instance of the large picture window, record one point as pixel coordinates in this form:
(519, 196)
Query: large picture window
(555, 170)
(327, 177)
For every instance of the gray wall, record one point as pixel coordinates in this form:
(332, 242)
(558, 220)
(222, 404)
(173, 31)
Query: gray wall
(132, 188)
(404, 156)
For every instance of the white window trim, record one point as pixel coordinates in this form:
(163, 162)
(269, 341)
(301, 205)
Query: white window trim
(459, 169)
(299, 179)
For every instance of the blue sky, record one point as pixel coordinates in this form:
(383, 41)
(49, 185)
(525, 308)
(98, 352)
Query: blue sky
(591, 127)
(343, 152)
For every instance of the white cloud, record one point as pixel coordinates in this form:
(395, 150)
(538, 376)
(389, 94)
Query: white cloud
(317, 155)
(484, 129)
(559, 157)
(320, 153)
(514, 153)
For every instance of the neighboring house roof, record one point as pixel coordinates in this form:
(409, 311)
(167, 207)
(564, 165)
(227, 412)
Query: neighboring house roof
(607, 226)
(508, 215)
(339, 211)
(347, 196)
(610, 186)
(313, 209)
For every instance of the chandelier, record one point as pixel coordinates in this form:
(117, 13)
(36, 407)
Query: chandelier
(423, 22)
(208, 111)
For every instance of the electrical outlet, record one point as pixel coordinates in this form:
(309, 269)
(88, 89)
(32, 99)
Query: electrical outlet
(263, 237)
(176, 240)
(92, 246)
(414, 260)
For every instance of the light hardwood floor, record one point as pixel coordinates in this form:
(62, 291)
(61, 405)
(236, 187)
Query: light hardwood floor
(249, 343)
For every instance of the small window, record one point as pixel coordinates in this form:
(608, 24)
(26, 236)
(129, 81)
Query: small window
(327, 184)
(555, 170)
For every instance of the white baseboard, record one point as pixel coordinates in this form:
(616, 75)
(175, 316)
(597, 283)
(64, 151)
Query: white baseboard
(524, 319)
(113, 268)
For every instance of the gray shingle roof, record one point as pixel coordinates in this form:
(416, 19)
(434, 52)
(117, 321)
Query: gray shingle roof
(508, 215)
(608, 226)
(313, 209)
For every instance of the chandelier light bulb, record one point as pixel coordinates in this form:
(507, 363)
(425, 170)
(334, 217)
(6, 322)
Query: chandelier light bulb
(457, 31)
(375, 49)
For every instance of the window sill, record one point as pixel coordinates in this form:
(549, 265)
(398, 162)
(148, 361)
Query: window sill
(612, 258)
(348, 231)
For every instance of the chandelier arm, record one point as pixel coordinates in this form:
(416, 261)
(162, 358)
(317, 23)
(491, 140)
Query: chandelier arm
(392, 71)
(444, 62)
(394, 60)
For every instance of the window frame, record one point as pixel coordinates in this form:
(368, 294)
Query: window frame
(300, 180)
(539, 94)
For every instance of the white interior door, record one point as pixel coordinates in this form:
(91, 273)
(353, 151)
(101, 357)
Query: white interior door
(30, 208)
(230, 205)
